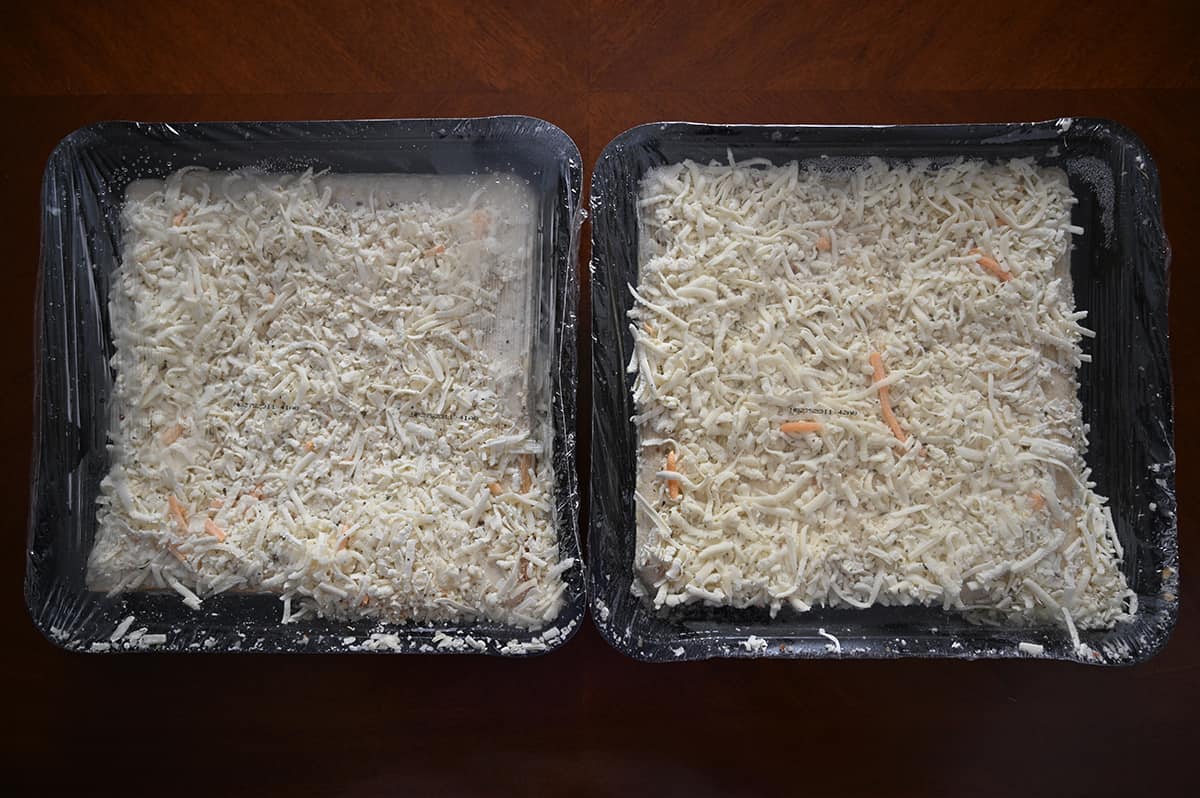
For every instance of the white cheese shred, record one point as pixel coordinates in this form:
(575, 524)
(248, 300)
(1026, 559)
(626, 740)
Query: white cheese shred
(121, 629)
(1032, 649)
(834, 645)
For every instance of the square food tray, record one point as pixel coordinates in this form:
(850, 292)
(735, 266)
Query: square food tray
(1119, 269)
(83, 189)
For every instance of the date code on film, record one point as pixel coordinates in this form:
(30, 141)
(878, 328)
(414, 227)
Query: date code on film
(803, 410)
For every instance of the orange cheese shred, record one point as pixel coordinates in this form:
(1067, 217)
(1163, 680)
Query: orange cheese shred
(673, 486)
(885, 399)
(991, 265)
(211, 528)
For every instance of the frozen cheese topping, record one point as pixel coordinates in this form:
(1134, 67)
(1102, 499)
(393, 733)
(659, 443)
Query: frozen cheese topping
(856, 385)
(322, 391)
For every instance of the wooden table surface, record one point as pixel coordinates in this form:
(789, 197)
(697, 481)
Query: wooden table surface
(585, 719)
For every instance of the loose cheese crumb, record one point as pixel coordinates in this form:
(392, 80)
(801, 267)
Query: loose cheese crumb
(121, 629)
(1032, 649)
(754, 644)
(769, 294)
(834, 645)
(335, 368)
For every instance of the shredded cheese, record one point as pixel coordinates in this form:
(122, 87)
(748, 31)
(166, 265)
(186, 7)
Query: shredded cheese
(754, 644)
(121, 629)
(322, 391)
(834, 645)
(1032, 649)
(768, 302)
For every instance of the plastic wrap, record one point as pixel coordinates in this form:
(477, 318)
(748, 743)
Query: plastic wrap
(84, 187)
(1119, 269)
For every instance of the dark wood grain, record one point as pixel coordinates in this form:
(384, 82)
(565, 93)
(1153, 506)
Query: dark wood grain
(690, 46)
(585, 720)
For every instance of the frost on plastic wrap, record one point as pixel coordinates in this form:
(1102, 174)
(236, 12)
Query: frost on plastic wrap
(1118, 271)
(382, 476)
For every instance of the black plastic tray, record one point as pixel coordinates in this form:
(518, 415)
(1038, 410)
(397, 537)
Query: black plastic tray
(82, 193)
(1119, 267)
